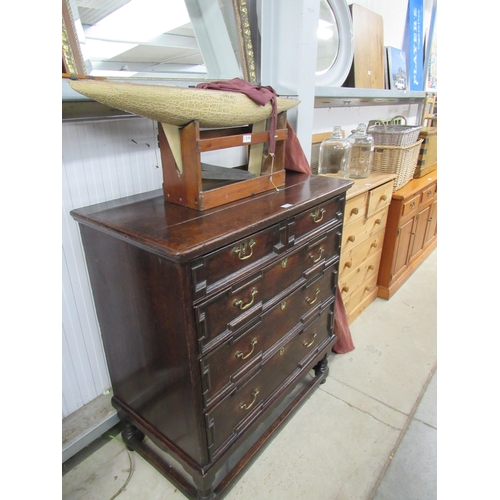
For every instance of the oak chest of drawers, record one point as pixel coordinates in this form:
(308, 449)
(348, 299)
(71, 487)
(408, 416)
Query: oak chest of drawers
(411, 232)
(212, 321)
(363, 236)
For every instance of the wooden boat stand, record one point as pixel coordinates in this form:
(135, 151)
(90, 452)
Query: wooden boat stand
(200, 186)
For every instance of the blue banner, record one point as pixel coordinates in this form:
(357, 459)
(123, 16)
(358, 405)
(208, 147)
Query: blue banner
(414, 44)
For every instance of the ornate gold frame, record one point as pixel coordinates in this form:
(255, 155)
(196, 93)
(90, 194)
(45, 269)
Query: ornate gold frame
(72, 58)
(245, 40)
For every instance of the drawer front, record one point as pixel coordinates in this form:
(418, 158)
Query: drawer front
(226, 364)
(315, 220)
(379, 198)
(428, 194)
(228, 311)
(353, 258)
(301, 263)
(355, 208)
(249, 399)
(410, 205)
(361, 293)
(363, 272)
(214, 269)
(362, 229)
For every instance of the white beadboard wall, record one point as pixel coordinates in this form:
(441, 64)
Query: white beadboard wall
(102, 160)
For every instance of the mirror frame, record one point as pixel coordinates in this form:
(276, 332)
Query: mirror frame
(336, 75)
(72, 57)
(73, 62)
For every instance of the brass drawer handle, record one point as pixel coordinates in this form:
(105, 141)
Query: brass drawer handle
(239, 302)
(317, 215)
(413, 204)
(284, 262)
(355, 211)
(429, 193)
(306, 344)
(241, 251)
(239, 354)
(318, 258)
(244, 406)
(313, 301)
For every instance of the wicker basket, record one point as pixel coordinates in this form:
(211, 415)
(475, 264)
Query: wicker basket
(391, 134)
(399, 160)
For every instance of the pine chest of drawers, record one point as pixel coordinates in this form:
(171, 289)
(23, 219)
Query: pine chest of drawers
(212, 321)
(365, 218)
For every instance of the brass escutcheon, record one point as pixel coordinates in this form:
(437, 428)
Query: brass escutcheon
(309, 344)
(318, 258)
(239, 303)
(241, 250)
(239, 354)
(284, 262)
(283, 305)
(317, 215)
(244, 406)
(313, 301)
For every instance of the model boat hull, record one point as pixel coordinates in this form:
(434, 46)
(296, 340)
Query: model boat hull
(178, 105)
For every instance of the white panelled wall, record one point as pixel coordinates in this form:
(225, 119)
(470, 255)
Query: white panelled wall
(102, 160)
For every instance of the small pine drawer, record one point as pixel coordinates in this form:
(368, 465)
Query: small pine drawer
(379, 198)
(411, 205)
(355, 209)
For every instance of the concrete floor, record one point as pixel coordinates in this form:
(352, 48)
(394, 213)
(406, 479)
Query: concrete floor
(368, 433)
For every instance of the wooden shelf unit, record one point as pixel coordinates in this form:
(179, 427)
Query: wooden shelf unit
(411, 233)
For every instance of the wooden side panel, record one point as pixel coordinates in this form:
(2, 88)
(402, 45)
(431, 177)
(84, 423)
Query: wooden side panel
(146, 344)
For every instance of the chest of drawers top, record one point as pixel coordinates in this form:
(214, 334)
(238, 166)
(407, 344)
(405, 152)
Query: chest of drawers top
(179, 233)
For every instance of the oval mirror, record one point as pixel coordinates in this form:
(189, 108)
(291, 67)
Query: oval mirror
(335, 43)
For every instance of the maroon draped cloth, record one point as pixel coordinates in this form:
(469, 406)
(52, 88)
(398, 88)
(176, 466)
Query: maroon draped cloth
(341, 327)
(258, 93)
(295, 159)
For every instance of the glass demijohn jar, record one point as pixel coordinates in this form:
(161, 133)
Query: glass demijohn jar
(361, 154)
(334, 154)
